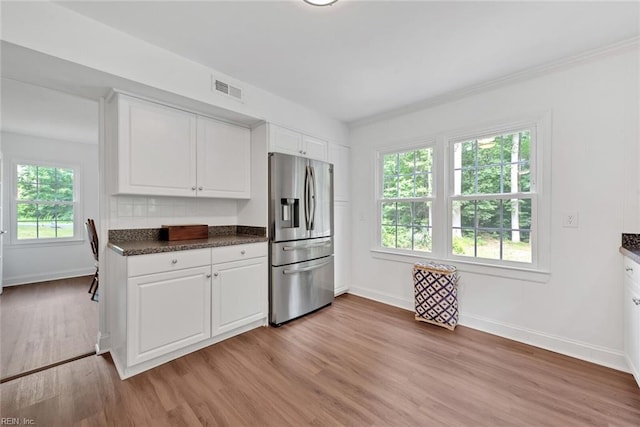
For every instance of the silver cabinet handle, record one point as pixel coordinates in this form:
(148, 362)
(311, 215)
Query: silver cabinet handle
(628, 269)
(208, 276)
(242, 252)
(215, 274)
(314, 245)
(174, 261)
(301, 152)
(193, 188)
(636, 301)
(200, 188)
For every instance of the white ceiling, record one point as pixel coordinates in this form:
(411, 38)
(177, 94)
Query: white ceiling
(360, 58)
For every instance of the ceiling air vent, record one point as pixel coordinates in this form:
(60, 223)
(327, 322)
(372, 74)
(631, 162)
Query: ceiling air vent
(226, 89)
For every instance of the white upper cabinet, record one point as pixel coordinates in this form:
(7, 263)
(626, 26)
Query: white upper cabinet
(282, 140)
(164, 151)
(224, 159)
(156, 149)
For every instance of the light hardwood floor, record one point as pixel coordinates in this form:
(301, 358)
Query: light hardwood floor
(355, 363)
(44, 323)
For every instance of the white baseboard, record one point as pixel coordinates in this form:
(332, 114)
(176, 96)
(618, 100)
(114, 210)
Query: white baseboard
(341, 290)
(580, 350)
(103, 343)
(44, 277)
(382, 297)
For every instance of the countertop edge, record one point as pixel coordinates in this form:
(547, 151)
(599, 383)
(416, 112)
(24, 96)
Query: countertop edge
(153, 247)
(634, 255)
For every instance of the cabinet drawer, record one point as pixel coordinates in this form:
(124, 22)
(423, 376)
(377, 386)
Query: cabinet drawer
(632, 269)
(238, 252)
(168, 261)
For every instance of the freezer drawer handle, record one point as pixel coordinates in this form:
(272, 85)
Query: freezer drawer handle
(315, 245)
(302, 270)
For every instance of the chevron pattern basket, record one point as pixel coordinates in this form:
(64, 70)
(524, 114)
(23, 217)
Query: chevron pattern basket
(436, 294)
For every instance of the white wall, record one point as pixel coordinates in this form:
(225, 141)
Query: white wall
(39, 262)
(594, 145)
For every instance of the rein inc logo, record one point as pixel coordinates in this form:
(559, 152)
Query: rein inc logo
(15, 421)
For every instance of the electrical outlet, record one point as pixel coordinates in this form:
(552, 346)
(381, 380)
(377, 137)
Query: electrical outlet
(570, 219)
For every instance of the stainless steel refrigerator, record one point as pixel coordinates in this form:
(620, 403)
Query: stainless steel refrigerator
(301, 236)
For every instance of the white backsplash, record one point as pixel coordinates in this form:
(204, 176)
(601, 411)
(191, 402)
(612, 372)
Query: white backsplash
(153, 212)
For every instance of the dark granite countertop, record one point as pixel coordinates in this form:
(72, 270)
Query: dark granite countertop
(631, 246)
(146, 241)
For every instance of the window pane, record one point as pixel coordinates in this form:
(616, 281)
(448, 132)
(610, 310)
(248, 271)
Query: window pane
(517, 214)
(467, 152)
(489, 180)
(517, 246)
(27, 221)
(405, 238)
(488, 244)
(390, 189)
(406, 163)
(404, 213)
(422, 239)
(489, 151)
(64, 185)
(390, 164)
(388, 236)
(464, 242)
(524, 177)
(424, 161)
(406, 186)
(467, 182)
(421, 213)
(423, 186)
(388, 214)
(488, 213)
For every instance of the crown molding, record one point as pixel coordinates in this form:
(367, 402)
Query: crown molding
(509, 79)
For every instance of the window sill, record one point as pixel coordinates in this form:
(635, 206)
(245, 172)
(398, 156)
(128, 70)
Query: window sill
(518, 273)
(43, 244)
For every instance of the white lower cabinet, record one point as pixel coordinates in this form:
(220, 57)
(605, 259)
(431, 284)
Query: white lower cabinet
(239, 296)
(632, 317)
(167, 311)
(163, 306)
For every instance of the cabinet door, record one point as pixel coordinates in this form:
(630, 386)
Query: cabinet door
(224, 160)
(632, 327)
(167, 311)
(239, 294)
(156, 149)
(283, 140)
(314, 148)
(340, 157)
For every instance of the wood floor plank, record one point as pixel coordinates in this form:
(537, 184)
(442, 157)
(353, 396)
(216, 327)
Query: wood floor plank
(355, 363)
(44, 323)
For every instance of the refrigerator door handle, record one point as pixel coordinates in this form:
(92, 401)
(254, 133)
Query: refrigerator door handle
(313, 197)
(302, 270)
(306, 198)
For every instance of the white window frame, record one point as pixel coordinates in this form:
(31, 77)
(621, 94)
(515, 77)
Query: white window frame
(538, 270)
(78, 230)
(379, 188)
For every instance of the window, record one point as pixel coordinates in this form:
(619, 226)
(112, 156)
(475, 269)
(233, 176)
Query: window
(474, 198)
(405, 203)
(45, 204)
(491, 202)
